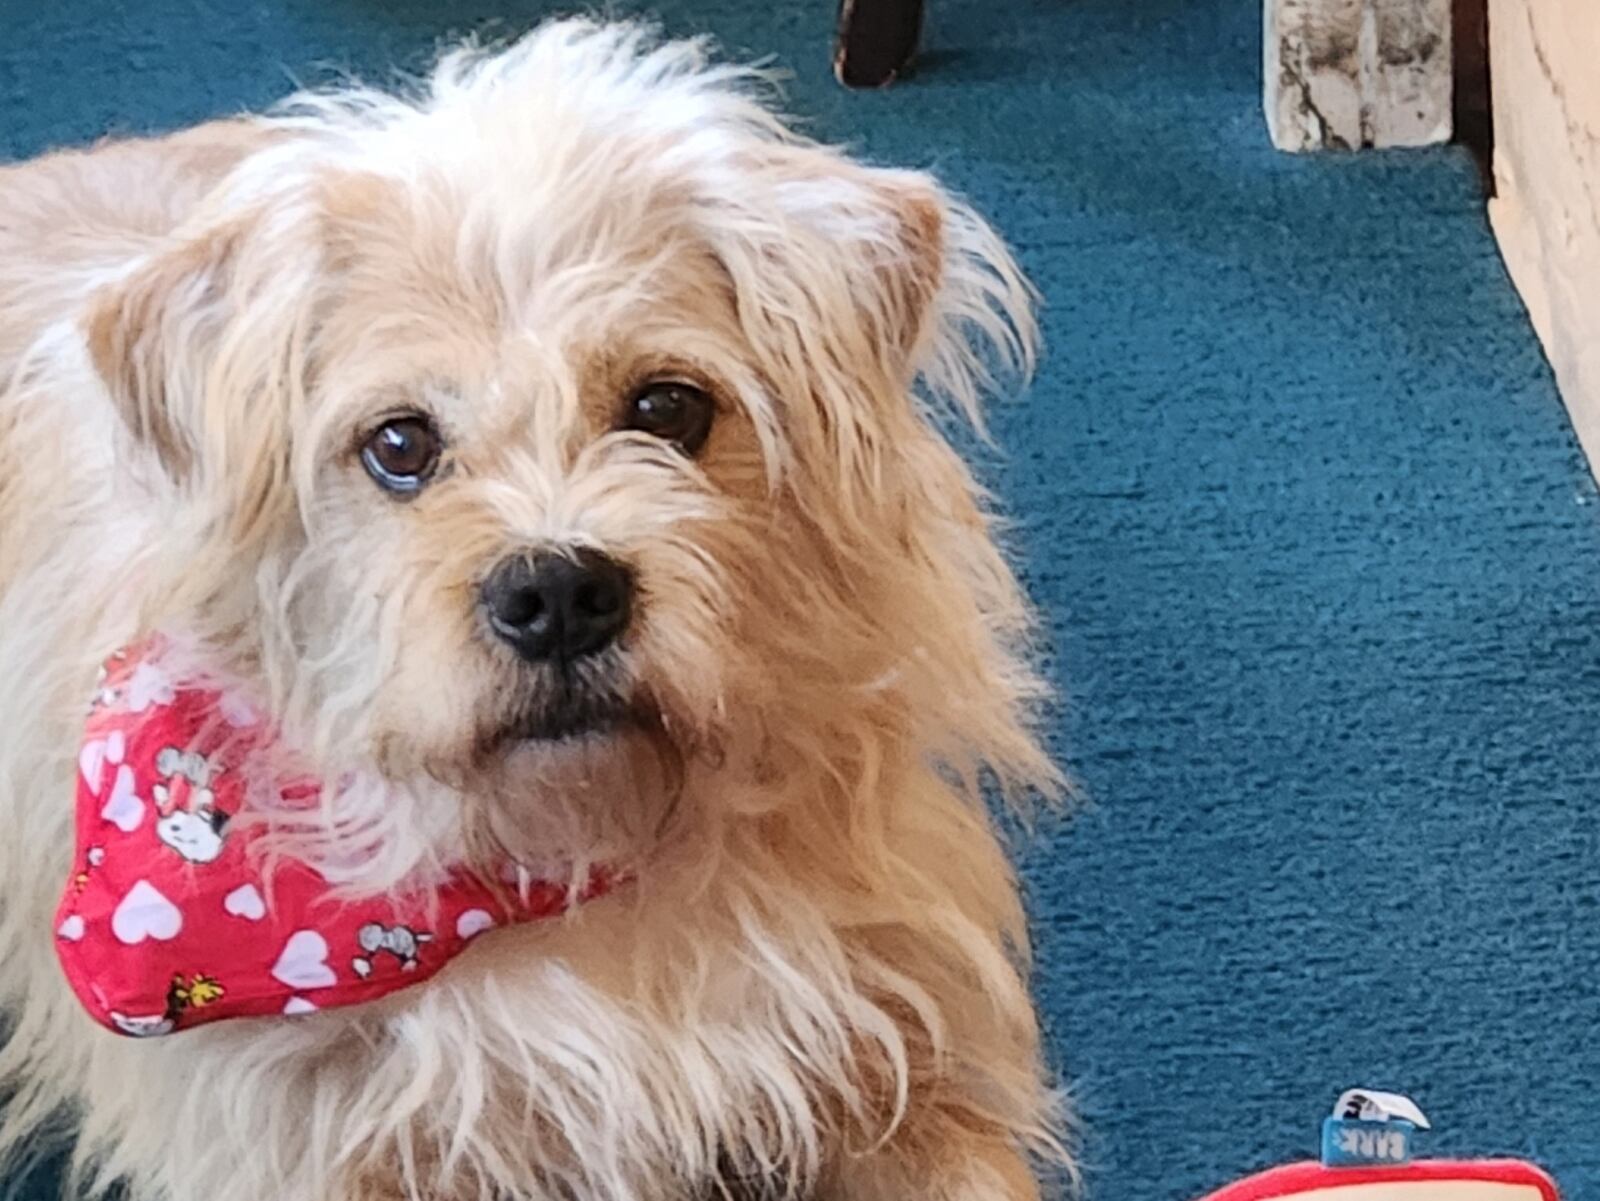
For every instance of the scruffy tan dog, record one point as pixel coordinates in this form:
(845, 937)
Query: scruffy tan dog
(554, 451)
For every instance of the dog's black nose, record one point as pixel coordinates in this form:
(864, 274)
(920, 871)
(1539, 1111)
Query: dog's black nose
(558, 606)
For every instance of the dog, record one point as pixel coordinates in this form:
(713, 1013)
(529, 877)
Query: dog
(554, 454)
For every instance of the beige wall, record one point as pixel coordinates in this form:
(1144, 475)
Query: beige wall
(1545, 65)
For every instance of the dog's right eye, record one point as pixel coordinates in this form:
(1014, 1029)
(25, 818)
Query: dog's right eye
(402, 454)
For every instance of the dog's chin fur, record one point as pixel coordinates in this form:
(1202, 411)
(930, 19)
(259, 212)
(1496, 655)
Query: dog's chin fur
(815, 978)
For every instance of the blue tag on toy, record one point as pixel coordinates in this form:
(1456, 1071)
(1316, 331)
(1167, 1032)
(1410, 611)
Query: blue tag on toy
(1348, 1143)
(1370, 1129)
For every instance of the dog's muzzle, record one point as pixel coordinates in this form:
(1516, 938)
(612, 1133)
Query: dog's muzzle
(564, 614)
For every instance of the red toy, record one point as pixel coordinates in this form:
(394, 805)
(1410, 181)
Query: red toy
(1424, 1180)
(1366, 1156)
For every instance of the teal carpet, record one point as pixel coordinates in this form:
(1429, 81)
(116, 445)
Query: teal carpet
(1319, 556)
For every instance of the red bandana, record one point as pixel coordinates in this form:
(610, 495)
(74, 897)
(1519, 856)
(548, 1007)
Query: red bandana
(170, 921)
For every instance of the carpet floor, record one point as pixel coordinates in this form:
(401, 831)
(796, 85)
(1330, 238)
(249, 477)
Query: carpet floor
(1318, 554)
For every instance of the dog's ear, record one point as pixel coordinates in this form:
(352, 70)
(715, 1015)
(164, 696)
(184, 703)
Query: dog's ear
(203, 347)
(829, 242)
(909, 267)
(864, 288)
(149, 334)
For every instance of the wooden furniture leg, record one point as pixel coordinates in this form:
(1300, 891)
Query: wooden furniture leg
(876, 40)
(1349, 74)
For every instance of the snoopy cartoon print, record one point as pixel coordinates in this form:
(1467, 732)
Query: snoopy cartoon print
(185, 993)
(190, 822)
(402, 942)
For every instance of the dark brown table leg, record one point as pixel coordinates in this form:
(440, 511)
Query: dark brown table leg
(1474, 114)
(876, 40)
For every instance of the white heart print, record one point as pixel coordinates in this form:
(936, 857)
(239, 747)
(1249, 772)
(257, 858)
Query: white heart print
(245, 901)
(149, 685)
(124, 809)
(474, 922)
(304, 962)
(94, 756)
(144, 913)
(298, 1005)
(71, 928)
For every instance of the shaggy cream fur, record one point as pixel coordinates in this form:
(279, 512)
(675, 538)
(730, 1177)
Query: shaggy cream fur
(815, 984)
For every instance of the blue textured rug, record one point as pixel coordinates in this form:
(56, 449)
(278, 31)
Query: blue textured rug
(1318, 552)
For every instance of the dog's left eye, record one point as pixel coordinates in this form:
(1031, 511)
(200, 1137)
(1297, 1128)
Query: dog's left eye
(674, 412)
(402, 454)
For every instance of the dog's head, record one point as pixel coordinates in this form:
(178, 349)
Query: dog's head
(576, 420)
